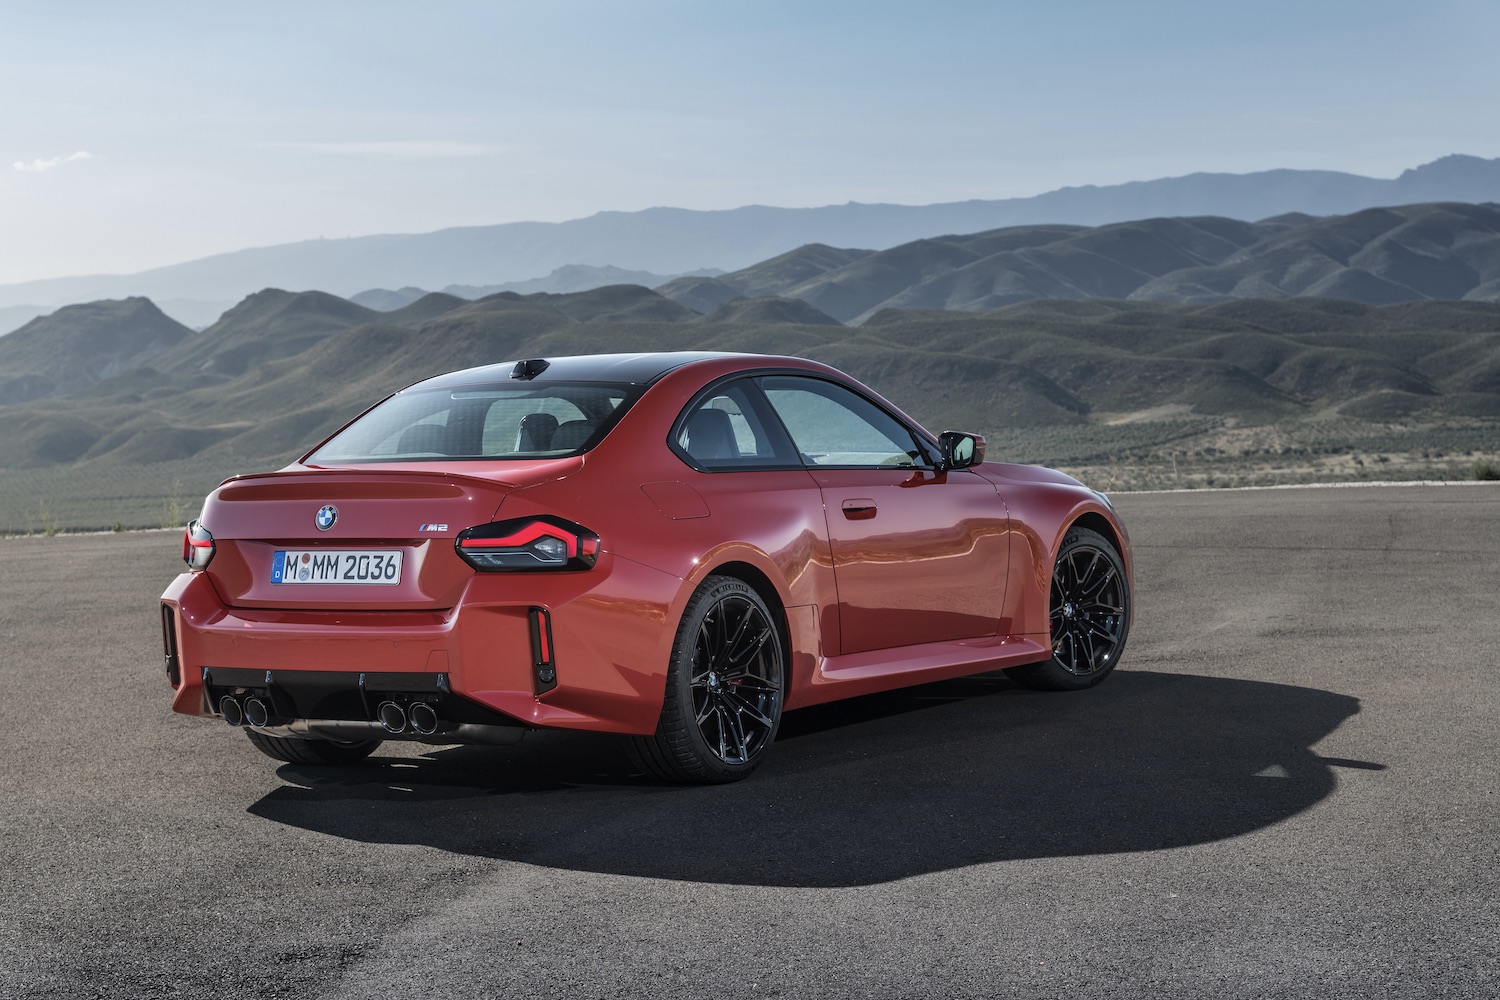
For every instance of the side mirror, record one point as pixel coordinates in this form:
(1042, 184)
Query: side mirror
(960, 449)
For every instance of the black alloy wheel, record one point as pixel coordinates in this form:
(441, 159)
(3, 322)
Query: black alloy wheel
(1089, 615)
(724, 691)
(736, 679)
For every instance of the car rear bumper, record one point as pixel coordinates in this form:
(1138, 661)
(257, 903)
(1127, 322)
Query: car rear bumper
(567, 650)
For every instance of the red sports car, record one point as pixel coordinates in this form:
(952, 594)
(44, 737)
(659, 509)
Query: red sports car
(675, 547)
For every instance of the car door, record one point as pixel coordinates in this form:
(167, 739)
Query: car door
(918, 555)
(754, 487)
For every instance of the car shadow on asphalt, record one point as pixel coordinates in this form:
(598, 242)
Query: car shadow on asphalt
(865, 791)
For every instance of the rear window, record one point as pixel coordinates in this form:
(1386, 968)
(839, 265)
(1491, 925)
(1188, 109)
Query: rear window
(500, 421)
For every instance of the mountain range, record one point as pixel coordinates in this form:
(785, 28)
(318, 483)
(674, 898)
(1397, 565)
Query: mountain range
(1377, 256)
(569, 278)
(669, 241)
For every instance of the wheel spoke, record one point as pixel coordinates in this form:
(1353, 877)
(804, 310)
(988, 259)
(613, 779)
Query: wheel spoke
(1090, 654)
(1092, 590)
(705, 647)
(745, 707)
(751, 682)
(1065, 569)
(731, 641)
(737, 731)
(749, 664)
(719, 723)
(1099, 630)
(1088, 574)
(734, 656)
(721, 615)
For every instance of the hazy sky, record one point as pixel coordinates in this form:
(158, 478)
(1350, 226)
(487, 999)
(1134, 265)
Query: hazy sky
(135, 135)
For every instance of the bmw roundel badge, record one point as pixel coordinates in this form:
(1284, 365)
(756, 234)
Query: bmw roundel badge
(326, 516)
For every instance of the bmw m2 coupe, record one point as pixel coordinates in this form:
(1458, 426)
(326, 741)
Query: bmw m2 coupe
(673, 547)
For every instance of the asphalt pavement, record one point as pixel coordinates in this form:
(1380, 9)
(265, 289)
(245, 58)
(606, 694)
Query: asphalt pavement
(1288, 789)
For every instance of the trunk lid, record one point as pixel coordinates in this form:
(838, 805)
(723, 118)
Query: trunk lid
(384, 513)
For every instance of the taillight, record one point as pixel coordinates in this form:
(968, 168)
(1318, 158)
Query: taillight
(528, 543)
(197, 546)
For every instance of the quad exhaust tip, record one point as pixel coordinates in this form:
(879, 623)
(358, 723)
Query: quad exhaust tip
(423, 718)
(231, 710)
(257, 712)
(392, 717)
(419, 717)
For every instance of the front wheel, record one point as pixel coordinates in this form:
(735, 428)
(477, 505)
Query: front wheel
(1089, 615)
(724, 689)
(311, 751)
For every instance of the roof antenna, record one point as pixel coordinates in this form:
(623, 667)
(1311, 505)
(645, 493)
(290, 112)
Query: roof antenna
(528, 370)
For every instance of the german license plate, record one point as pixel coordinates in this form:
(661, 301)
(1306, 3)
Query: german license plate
(367, 566)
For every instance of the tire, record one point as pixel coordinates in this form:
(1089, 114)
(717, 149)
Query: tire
(311, 751)
(1089, 615)
(725, 688)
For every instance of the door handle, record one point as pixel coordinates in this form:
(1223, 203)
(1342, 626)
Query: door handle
(859, 509)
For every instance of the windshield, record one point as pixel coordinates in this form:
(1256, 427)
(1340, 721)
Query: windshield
(497, 421)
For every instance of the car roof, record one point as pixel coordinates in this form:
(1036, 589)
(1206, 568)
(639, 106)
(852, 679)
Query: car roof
(632, 369)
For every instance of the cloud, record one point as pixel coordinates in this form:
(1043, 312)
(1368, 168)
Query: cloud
(38, 165)
(401, 147)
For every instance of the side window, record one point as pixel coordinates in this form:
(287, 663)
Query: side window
(832, 425)
(727, 430)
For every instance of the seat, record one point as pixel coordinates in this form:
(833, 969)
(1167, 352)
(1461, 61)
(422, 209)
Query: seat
(573, 434)
(423, 439)
(710, 436)
(536, 433)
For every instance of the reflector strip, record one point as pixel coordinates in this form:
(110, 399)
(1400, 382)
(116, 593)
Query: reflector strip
(544, 671)
(169, 645)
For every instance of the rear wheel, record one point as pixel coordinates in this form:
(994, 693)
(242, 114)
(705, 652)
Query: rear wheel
(1089, 615)
(724, 688)
(311, 751)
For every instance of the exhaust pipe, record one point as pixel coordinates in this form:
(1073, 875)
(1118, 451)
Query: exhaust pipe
(424, 718)
(392, 717)
(230, 709)
(257, 712)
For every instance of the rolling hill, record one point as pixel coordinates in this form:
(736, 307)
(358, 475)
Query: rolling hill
(281, 369)
(80, 345)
